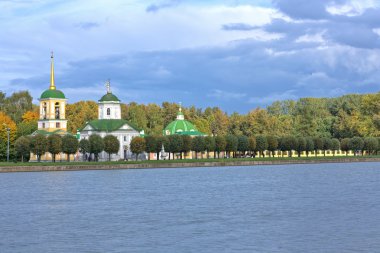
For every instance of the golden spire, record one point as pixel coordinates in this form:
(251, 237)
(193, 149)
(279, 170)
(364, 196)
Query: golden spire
(52, 85)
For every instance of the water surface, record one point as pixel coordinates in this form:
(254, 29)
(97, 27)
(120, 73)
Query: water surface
(283, 208)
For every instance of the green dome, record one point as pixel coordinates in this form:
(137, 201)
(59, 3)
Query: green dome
(179, 126)
(109, 97)
(52, 94)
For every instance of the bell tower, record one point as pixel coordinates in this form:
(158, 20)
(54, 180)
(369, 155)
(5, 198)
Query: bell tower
(52, 106)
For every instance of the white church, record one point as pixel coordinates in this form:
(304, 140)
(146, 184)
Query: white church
(109, 122)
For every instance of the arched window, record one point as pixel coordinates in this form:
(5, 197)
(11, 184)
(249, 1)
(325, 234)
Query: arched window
(44, 110)
(108, 111)
(57, 113)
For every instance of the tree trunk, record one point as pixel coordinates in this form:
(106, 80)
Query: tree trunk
(137, 156)
(68, 157)
(22, 158)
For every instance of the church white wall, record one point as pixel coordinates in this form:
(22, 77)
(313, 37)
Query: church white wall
(115, 111)
(124, 138)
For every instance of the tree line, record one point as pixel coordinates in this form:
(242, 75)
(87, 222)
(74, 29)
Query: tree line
(342, 117)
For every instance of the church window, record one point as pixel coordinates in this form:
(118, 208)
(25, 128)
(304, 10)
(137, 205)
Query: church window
(57, 125)
(57, 113)
(43, 125)
(44, 111)
(108, 111)
(125, 138)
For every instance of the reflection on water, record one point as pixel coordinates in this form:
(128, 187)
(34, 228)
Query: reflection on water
(290, 208)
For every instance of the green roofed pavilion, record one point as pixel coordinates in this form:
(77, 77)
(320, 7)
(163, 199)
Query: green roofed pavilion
(181, 126)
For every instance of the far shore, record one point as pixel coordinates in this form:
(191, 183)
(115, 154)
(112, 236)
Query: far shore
(76, 166)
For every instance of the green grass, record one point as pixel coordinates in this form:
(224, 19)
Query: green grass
(319, 158)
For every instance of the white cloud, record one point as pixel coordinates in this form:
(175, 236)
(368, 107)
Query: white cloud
(352, 8)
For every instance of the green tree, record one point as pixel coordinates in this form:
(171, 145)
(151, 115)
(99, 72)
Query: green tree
(209, 145)
(151, 145)
(243, 145)
(22, 146)
(220, 144)
(288, 144)
(111, 145)
(327, 144)
(345, 145)
(54, 146)
(69, 145)
(84, 147)
(370, 145)
(318, 144)
(335, 145)
(198, 145)
(38, 145)
(137, 146)
(272, 144)
(186, 144)
(175, 144)
(96, 145)
(231, 144)
(309, 145)
(356, 144)
(252, 145)
(301, 145)
(261, 144)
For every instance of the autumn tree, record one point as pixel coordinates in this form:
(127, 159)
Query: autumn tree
(5, 123)
(111, 145)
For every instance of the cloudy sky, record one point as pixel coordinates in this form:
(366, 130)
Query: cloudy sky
(234, 54)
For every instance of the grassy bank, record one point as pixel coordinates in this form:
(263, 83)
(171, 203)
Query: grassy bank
(152, 162)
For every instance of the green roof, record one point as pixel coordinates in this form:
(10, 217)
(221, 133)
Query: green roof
(44, 132)
(52, 94)
(109, 97)
(110, 125)
(183, 127)
(192, 133)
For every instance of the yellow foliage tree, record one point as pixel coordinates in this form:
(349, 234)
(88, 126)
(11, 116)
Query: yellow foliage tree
(79, 113)
(7, 122)
(30, 116)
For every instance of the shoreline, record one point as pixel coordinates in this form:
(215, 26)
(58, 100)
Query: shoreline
(179, 164)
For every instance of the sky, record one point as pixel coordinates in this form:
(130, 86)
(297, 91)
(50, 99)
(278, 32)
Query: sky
(237, 55)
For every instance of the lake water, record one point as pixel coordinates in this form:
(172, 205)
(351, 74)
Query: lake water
(290, 208)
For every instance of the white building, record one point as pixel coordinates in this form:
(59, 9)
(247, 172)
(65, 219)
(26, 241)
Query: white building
(109, 122)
